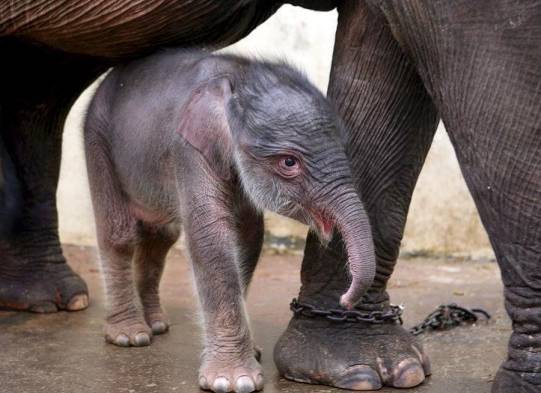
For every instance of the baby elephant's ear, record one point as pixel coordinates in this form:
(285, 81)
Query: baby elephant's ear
(204, 124)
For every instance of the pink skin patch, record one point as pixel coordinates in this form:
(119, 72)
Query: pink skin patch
(325, 226)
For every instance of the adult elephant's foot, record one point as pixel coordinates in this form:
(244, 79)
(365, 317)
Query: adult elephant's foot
(40, 286)
(521, 372)
(356, 356)
(513, 381)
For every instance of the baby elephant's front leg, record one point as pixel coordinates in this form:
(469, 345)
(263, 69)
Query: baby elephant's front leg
(228, 361)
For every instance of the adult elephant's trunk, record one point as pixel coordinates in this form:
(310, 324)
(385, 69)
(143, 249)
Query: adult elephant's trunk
(352, 222)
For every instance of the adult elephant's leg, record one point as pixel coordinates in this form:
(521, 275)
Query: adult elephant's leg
(504, 175)
(481, 62)
(392, 122)
(36, 95)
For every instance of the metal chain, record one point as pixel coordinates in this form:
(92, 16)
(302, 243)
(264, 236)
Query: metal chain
(443, 318)
(448, 316)
(392, 314)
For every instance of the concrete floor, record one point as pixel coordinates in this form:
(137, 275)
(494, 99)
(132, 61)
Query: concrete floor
(66, 352)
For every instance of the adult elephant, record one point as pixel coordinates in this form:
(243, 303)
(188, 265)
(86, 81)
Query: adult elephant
(398, 66)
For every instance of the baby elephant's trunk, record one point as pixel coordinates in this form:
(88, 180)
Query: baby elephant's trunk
(354, 226)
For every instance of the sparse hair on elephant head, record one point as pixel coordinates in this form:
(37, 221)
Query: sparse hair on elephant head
(276, 130)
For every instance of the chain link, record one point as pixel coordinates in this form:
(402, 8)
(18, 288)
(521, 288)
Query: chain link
(443, 318)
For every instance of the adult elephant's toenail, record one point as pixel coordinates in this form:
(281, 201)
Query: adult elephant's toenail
(78, 302)
(408, 373)
(221, 385)
(359, 378)
(159, 327)
(244, 384)
(141, 340)
(425, 361)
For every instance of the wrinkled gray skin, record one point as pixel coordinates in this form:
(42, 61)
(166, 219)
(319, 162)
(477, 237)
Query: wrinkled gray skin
(210, 141)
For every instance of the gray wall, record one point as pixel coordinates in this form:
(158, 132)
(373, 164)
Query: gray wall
(442, 217)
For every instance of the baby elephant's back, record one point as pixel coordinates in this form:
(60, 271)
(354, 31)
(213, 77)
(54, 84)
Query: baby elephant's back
(138, 107)
(146, 96)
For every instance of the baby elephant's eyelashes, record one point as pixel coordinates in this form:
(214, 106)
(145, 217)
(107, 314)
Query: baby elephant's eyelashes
(288, 167)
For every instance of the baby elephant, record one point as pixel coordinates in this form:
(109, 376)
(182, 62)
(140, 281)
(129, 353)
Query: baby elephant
(210, 141)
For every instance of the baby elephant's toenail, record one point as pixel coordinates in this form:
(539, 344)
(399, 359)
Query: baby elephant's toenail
(122, 340)
(141, 340)
(244, 385)
(159, 327)
(221, 385)
(409, 373)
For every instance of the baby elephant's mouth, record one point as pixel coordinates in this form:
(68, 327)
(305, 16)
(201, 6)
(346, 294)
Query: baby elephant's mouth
(324, 226)
(322, 223)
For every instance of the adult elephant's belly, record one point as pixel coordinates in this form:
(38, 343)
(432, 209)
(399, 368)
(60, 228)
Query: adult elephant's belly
(127, 28)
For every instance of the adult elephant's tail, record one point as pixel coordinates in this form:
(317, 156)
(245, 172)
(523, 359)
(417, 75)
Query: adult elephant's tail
(10, 193)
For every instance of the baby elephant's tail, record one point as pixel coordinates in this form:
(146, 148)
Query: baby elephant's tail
(10, 193)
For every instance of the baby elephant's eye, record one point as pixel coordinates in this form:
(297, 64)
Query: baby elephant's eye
(290, 161)
(288, 167)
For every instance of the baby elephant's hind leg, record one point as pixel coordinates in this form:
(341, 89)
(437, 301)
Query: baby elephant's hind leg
(117, 235)
(125, 325)
(150, 254)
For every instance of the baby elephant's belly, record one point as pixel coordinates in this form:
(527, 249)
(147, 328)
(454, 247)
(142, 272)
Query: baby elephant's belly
(150, 189)
(153, 217)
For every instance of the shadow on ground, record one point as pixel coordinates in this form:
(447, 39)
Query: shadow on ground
(65, 352)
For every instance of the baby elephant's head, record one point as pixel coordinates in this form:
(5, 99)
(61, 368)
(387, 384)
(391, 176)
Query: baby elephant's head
(285, 141)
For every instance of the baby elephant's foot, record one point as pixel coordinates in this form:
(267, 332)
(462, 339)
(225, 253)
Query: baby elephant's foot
(228, 375)
(134, 333)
